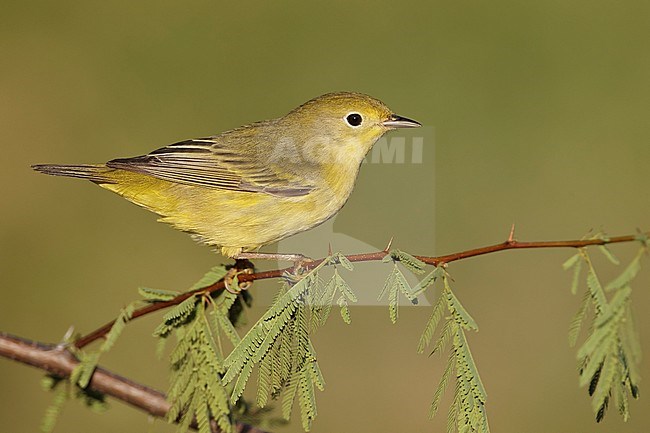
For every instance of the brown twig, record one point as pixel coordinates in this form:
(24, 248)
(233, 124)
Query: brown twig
(58, 361)
(509, 244)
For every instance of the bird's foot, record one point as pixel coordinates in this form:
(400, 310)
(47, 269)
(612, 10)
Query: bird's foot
(231, 281)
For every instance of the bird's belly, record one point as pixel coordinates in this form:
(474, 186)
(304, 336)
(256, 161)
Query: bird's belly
(250, 220)
(235, 220)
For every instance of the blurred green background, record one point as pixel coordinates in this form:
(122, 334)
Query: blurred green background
(540, 116)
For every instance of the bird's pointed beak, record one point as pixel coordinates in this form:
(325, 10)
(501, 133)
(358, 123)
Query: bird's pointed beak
(395, 121)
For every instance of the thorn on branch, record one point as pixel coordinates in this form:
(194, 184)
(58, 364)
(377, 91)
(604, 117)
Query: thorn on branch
(390, 243)
(511, 236)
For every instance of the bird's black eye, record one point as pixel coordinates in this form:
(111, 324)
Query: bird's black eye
(354, 119)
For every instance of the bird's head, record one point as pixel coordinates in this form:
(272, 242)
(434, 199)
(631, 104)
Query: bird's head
(341, 126)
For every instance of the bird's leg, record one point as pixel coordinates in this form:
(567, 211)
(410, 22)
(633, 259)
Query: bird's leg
(295, 258)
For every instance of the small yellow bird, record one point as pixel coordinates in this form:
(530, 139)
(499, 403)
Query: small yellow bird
(256, 184)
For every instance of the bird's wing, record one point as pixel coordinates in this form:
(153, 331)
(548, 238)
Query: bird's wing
(206, 163)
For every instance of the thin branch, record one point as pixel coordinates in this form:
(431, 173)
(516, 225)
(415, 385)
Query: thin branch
(58, 361)
(514, 244)
(509, 244)
(103, 330)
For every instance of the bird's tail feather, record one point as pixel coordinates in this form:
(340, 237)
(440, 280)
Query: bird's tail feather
(95, 173)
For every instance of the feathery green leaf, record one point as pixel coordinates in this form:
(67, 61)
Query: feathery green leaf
(432, 323)
(306, 399)
(289, 395)
(607, 253)
(595, 288)
(448, 330)
(264, 378)
(340, 258)
(571, 261)
(345, 311)
(118, 326)
(157, 295)
(456, 308)
(328, 299)
(317, 376)
(425, 282)
(414, 264)
(195, 391)
(343, 287)
(575, 281)
(629, 273)
(85, 369)
(279, 342)
(578, 318)
(240, 384)
(403, 285)
(212, 276)
(388, 284)
(393, 298)
(177, 316)
(442, 385)
(467, 412)
(605, 382)
(55, 408)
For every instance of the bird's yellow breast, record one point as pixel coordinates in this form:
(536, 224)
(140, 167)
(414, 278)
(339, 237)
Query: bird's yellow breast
(236, 220)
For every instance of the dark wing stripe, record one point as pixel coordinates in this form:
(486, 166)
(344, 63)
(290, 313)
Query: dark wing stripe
(204, 162)
(184, 149)
(192, 176)
(191, 142)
